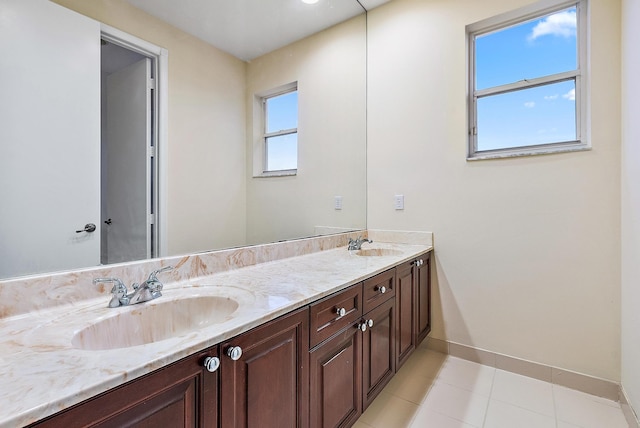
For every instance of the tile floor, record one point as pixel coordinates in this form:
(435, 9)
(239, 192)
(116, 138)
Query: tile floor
(434, 390)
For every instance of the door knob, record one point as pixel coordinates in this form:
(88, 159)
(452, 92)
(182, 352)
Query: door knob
(234, 352)
(89, 227)
(212, 363)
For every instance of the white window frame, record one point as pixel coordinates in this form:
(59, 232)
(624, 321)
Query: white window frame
(579, 75)
(260, 149)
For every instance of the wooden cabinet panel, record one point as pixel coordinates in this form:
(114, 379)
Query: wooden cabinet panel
(405, 309)
(423, 298)
(325, 318)
(268, 385)
(378, 289)
(278, 382)
(171, 396)
(336, 380)
(378, 353)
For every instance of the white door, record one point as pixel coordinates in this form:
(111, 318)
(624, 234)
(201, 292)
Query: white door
(128, 163)
(49, 138)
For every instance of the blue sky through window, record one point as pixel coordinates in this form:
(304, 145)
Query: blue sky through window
(282, 114)
(532, 116)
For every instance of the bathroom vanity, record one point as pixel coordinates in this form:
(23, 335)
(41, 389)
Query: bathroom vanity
(309, 341)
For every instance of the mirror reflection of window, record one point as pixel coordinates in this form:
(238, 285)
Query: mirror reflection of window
(281, 131)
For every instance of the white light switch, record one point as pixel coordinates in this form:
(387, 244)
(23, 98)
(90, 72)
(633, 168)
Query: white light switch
(338, 202)
(399, 202)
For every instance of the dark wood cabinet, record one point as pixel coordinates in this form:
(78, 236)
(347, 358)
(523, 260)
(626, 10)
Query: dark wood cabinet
(405, 311)
(319, 366)
(378, 351)
(336, 380)
(378, 289)
(333, 313)
(422, 298)
(182, 394)
(413, 305)
(268, 386)
(352, 366)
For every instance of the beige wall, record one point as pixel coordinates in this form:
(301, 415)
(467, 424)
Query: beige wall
(330, 68)
(630, 201)
(527, 249)
(206, 177)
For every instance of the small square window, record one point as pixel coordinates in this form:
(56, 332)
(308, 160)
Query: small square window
(281, 131)
(527, 82)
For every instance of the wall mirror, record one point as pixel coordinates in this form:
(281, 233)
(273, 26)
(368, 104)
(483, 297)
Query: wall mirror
(204, 185)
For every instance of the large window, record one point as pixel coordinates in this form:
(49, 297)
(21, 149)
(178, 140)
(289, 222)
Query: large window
(527, 82)
(281, 131)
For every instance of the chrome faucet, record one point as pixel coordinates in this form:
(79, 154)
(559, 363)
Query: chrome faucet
(148, 290)
(356, 244)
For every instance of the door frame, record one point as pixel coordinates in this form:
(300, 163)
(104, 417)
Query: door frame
(160, 57)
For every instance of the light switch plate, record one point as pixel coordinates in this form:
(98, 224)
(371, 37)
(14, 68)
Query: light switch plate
(399, 202)
(338, 202)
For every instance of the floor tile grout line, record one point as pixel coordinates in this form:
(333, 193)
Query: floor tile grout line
(528, 409)
(486, 410)
(555, 406)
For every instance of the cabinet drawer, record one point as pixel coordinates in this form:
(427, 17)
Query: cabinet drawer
(325, 314)
(379, 289)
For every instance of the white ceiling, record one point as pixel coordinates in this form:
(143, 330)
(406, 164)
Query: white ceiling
(248, 29)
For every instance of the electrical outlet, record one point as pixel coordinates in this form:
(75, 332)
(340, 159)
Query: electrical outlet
(337, 202)
(399, 202)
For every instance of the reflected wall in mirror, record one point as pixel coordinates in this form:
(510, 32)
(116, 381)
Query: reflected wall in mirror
(214, 193)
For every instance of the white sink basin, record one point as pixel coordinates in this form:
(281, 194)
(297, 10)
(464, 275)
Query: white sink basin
(154, 321)
(377, 252)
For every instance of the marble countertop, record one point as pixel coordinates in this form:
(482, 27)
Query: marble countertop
(41, 372)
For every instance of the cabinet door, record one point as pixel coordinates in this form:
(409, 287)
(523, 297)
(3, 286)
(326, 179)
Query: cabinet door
(336, 380)
(378, 352)
(405, 309)
(423, 298)
(182, 394)
(268, 386)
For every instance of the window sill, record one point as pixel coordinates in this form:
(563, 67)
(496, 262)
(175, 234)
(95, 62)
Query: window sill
(529, 151)
(284, 173)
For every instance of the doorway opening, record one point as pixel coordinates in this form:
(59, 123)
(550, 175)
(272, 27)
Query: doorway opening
(130, 143)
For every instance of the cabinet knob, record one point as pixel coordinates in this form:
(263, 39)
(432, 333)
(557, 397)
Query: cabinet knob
(212, 363)
(382, 289)
(363, 327)
(341, 312)
(370, 323)
(234, 352)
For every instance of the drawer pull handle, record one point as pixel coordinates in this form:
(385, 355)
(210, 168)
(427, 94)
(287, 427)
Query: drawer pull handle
(234, 352)
(382, 289)
(341, 312)
(212, 363)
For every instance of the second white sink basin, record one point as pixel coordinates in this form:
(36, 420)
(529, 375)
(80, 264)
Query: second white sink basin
(154, 321)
